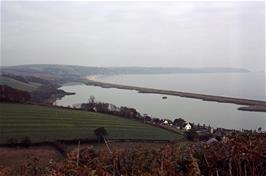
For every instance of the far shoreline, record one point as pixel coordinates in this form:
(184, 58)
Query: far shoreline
(250, 105)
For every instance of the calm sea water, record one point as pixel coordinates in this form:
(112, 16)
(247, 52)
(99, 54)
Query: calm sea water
(249, 85)
(192, 110)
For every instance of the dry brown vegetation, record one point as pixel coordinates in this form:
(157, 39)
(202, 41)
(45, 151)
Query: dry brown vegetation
(239, 155)
(15, 160)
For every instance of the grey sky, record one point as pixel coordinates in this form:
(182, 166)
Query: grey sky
(199, 34)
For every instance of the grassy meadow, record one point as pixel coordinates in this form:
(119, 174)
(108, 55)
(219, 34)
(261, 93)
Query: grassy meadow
(41, 123)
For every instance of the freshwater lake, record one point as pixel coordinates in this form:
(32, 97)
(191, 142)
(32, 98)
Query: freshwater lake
(240, 85)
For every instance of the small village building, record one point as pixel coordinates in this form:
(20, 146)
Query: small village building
(188, 126)
(165, 122)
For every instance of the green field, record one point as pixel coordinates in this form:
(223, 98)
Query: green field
(29, 87)
(42, 123)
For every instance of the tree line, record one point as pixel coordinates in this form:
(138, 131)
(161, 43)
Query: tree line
(126, 112)
(9, 94)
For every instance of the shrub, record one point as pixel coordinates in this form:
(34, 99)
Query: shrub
(11, 142)
(191, 134)
(26, 142)
(100, 133)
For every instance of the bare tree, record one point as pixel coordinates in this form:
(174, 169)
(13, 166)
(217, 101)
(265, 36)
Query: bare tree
(91, 99)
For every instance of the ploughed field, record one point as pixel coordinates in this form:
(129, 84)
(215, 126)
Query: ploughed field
(42, 123)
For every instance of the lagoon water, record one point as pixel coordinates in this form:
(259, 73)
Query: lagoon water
(192, 110)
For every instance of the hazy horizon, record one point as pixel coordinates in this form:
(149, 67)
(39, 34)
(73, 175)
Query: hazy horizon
(125, 66)
(145, 34)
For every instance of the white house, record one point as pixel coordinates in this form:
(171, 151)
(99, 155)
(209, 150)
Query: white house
(165, 122)
(188, 126)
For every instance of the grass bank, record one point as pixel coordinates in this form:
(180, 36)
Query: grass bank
(41, 123)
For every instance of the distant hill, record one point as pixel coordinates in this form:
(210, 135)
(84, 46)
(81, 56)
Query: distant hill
(61, 73)
(70, 73)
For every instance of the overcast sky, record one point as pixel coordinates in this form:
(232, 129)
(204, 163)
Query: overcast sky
(181, 34)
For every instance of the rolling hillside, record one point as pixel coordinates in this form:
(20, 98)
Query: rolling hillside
(42, 123)
(58, 73)
(29, 87)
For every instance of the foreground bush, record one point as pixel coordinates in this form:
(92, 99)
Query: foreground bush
(26, 142)
(239, 155)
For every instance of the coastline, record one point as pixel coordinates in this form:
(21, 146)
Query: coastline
(249, 105)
